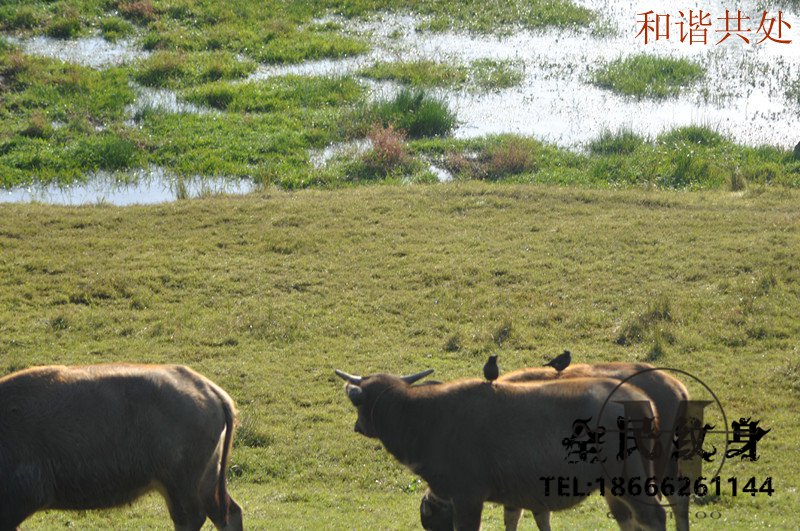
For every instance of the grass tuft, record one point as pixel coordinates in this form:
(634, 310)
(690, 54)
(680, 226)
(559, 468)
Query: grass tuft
(115, 28)
(658, 348)
(414, 112)
(21, 17)
(482, 74)
(502, 333)
(421, 73)
(388, 150)
(38, 127)
(649, 322)
(500, 157)
(64, 28)
(139, 11)
(737, 181)
(250, 432)
(623, 142)
(106, 152)
(454, 343)
(491, 74)
(692, 134)
(648, 76)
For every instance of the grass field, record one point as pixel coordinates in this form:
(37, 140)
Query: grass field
(268, 293)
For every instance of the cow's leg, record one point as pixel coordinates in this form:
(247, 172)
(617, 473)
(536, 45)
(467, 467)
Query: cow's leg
(12, 517)
(648, 515)
(678, 504)
(621, 513)
(226, 516)
(680, 510)
(542, 520)
(187, 517)
(234, 516)
(185, 508)
(230, 522)
(467, 514)
(511, 516)
(17, 504)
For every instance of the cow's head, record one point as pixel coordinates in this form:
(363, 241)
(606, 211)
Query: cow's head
(365, 391)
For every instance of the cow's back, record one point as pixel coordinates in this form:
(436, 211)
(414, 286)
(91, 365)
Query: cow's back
(98, 436)
(513, 435)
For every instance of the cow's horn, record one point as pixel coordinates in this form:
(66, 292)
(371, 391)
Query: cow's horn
(355, 380)
(414, 377)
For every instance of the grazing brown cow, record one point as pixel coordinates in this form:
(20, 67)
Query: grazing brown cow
(100, 436)
(475, 441)
(666, 392)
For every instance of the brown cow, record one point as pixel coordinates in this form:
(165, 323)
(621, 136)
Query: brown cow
(666, 392)
(100, 436)
(475, 441)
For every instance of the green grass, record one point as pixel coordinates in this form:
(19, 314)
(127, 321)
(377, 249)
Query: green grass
(414, 112)
(288, 93)
(273, 31)
(498, 16)
(648, 76)
(490, 74)
(685, 158)
(267, 294)
(421, 73)
(65, 28)
(174, 70)
(115, 28)
(483, 74)
(61, 122)
(620, 143)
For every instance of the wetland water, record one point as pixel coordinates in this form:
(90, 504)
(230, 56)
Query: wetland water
(743, 94)
(153, 185)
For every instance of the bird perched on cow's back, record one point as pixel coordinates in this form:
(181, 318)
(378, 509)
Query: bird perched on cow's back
(490, 370)
(560, 362)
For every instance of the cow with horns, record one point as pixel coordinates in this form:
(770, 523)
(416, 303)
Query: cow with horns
(668, 395)
(475, 441)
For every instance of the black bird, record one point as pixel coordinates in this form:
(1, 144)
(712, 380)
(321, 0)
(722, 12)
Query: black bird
(491, 371)
(560, 362)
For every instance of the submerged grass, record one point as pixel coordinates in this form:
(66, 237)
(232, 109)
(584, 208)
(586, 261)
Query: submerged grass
(648, 76)
(400, 279)
(482, 74)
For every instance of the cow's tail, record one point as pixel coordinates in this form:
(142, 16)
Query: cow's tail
(230, 421)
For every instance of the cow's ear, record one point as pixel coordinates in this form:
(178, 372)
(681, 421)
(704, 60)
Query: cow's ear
(355, 394)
